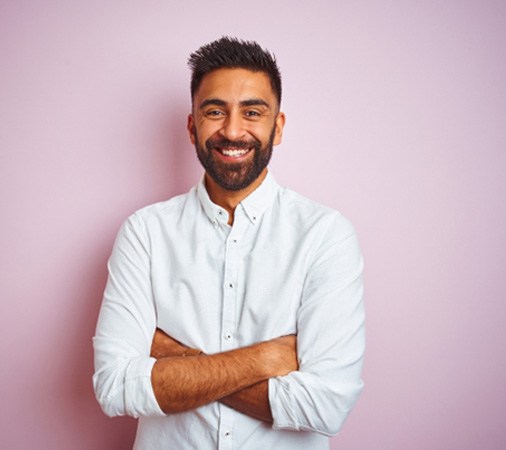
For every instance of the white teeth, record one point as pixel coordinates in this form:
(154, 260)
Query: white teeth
(234, 153)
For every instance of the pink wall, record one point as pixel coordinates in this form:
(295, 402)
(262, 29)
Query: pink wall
(396, 116)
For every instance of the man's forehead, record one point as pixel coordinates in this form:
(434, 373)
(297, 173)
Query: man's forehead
(235, 84)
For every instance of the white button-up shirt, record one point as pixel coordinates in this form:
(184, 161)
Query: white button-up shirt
(286, 266)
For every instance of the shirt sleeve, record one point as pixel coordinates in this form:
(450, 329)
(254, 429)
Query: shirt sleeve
(330, 340)
(125, 329)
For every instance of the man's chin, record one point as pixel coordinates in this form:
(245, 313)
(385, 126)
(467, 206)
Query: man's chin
(233, 181)
(232, 185)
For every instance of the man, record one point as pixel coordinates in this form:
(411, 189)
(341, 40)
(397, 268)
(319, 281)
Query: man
(232, 316)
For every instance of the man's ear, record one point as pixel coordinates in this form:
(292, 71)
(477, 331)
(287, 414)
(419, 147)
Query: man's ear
(190, 126)
(279, 125)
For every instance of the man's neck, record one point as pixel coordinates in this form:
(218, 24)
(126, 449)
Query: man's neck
(230, 199)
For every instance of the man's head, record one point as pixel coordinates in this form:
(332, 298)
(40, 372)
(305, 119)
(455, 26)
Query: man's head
(233, 53)
(235, 119)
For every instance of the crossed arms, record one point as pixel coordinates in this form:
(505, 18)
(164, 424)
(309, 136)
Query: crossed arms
(310, 387)
(185, 378)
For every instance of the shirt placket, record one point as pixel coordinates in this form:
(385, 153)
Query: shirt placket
(229, 325)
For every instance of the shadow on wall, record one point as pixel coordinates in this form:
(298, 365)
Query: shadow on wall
(183, 168)
(174, 168)
(171, 167)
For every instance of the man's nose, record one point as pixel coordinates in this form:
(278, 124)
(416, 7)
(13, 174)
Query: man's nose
(233, 127)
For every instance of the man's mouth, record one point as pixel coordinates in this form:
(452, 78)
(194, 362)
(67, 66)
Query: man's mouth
(233, 152)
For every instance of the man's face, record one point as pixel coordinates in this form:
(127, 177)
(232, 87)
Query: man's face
(234, 124)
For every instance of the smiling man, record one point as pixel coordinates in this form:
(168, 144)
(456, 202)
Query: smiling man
(238, 118)
(233, 316)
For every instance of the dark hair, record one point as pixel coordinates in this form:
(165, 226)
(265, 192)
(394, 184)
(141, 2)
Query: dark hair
(229, 52)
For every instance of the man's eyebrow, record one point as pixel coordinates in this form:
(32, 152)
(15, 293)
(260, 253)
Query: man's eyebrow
(212, 101)
(254, 102)
(219, 102)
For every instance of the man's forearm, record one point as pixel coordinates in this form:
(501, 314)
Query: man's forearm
(252, 401)
(184, 383)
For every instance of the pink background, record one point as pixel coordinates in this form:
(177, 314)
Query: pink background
(396, 116)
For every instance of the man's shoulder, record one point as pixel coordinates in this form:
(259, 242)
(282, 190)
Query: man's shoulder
(163, 210)
(307, 207)
(304, 204)
(311, 212)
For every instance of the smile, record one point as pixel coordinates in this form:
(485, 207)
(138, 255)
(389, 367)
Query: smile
(232, 152)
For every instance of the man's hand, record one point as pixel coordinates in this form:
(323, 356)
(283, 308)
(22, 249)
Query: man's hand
(281, 352)
(164, 346)
(277, 356)
(254, 400)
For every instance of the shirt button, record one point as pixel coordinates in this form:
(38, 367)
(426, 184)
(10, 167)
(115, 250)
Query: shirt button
(220, 213)
(230, 285)
(227, 433)
(228, 336)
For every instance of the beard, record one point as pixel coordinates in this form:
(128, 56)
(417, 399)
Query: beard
(234, 176)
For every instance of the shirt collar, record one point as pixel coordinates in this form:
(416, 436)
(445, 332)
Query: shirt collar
(254, 205)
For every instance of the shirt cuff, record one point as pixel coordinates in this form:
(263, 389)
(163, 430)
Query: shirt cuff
(140, 400)
(279, 400)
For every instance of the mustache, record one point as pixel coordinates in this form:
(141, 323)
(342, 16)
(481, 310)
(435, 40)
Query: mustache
(227, 144)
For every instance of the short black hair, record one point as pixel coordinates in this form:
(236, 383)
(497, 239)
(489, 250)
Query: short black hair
(233, 53)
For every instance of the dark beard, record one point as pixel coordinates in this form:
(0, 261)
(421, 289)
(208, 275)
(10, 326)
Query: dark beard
(234, 177)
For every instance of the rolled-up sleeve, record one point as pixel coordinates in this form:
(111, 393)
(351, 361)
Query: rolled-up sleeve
(330, 339)
(125, 328)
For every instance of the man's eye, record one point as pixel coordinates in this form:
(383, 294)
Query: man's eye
(214, 113)
(252, 113)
